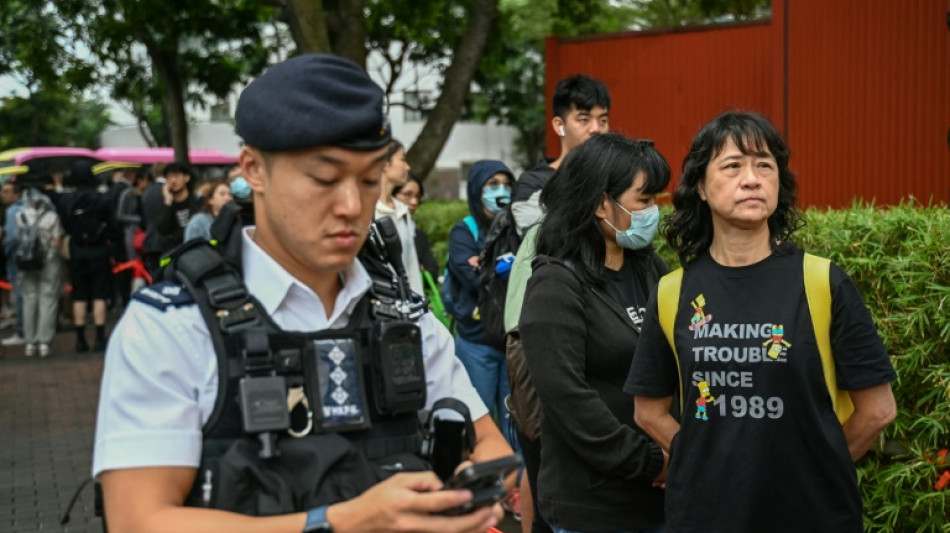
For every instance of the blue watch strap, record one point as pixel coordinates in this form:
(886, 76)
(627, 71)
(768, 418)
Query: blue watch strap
(317, 521)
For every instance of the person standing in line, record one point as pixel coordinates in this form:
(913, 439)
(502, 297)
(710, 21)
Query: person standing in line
(594, 270)
(217, 193)
(178, 206)
(152, 207)
(412, 194)
(489, 190)
(764, 449)
(86, 214)
(396, 174)
(40, 286)
(11, 196)
(580, 109)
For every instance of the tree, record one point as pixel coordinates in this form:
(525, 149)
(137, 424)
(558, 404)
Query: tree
(51, 117)
(36, 51)
(182, 50)
(451, 34)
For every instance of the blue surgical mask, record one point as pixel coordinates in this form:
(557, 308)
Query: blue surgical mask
(643, 226)
(496, 197)
(240, 188)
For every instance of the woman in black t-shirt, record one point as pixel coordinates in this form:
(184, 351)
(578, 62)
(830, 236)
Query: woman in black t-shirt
(579, 327)
(759, 445)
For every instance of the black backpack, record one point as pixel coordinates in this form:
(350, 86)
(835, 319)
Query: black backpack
(86, 221)
(29, 253)
(501, 245)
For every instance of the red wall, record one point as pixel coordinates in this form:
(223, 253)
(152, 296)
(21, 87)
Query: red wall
(861, 88)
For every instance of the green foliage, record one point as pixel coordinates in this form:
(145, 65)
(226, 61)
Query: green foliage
(51, 117)
(436, 218)
(899, 258)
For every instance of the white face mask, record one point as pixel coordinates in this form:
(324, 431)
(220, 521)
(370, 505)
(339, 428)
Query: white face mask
(643, 227)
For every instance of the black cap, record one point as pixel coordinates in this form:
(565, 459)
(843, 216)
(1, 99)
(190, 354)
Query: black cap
(312, 100)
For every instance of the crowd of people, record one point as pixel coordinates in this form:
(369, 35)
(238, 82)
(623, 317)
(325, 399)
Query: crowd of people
(613, 348)
(77, 241)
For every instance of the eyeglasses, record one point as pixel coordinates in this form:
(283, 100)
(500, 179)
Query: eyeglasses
(409, 196)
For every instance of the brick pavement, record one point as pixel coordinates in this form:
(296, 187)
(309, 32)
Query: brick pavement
(47, 423)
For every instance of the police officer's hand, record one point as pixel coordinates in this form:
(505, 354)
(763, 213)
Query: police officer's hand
(409, 502)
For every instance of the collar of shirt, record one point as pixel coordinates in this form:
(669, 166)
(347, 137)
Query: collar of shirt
(399, 211)
(290, 303)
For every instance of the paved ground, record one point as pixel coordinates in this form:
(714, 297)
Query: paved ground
(47, 420)
(47, 423)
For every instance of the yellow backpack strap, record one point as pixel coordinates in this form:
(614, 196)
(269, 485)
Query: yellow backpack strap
(818, 292)
(667, 301)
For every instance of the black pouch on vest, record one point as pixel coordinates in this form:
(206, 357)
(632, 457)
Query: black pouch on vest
(310, 471)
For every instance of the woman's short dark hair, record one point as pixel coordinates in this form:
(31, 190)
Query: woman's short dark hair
(604, 164)
(391, 149)
(689, 229)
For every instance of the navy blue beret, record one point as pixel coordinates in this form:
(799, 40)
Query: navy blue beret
(312, 100)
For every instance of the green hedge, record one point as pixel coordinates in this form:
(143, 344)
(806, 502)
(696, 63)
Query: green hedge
(899, 257)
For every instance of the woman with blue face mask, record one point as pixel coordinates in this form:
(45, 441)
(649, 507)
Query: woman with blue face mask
(580, 324)
(489, 191)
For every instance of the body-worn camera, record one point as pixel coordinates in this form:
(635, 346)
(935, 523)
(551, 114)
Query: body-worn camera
(399, 370)
(401, 380)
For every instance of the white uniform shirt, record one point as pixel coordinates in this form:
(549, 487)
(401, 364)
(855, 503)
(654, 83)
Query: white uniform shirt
(407, 236)
(161, 377)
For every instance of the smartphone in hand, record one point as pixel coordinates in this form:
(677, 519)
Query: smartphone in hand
(486, 480)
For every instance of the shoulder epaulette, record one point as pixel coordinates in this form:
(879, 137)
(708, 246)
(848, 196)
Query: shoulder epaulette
(163, 295)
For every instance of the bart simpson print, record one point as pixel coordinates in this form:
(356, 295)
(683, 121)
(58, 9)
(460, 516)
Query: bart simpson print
(705, 397)
(777, 344)
(699, 318)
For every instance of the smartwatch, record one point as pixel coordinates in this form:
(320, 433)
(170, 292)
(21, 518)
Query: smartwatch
(317, 521)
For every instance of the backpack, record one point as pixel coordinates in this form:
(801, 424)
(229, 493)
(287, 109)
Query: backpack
(85, 223)
(30, 252)
(818, 296)
(496, 259)
(450, 289)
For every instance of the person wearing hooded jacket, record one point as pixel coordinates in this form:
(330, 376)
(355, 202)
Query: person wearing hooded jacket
(580, 326)
(489, 190)
(86, 215)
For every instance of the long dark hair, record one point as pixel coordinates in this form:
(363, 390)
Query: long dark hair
(689, 229)
(605, 164)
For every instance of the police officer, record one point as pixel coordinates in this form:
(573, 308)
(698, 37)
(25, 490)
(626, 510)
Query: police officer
(315, 145)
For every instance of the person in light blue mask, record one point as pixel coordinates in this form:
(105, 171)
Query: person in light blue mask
(580, 325)
(489, 190)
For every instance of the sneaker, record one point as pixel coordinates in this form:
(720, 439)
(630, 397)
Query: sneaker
(30, 350)
(13, 340)
(45, 350)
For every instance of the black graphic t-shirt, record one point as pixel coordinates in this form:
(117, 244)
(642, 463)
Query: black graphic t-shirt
(625, 287)
(759, 447)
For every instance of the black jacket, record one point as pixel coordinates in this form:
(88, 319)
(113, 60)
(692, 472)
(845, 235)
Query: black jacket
(596, 465)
